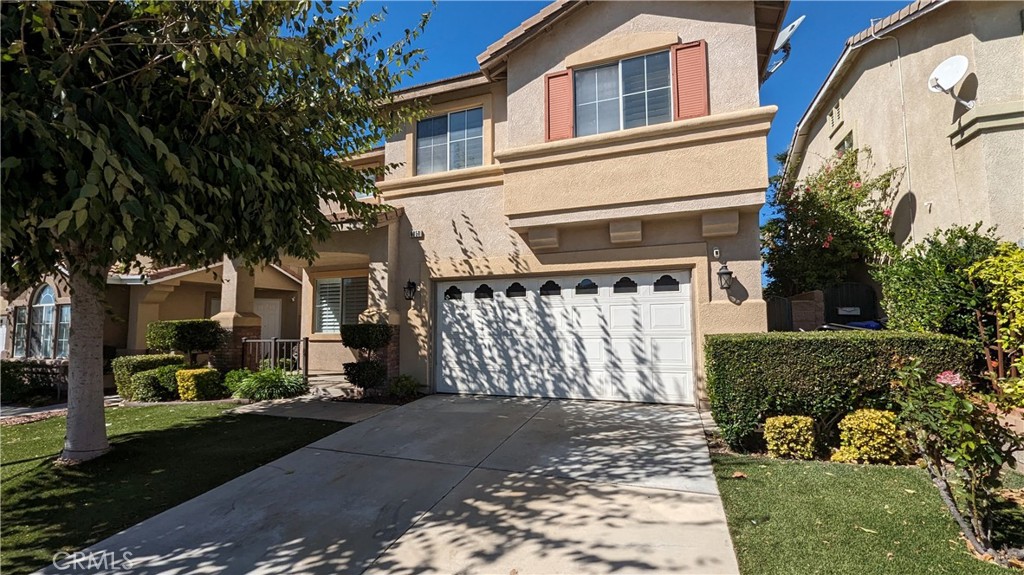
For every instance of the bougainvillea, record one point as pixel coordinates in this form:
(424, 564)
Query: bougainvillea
(825, 226)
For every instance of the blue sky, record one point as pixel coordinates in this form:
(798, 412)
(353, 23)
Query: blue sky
(460, 30)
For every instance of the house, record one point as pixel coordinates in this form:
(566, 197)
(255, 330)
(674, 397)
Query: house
(37, 321)
(569, 220)
(961, 165)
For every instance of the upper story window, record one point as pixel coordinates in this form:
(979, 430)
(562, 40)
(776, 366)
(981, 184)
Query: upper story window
(627, 94)
(450, 142)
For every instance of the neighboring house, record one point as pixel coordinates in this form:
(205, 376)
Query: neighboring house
(961, 165)
(38, 320)
(562, 218)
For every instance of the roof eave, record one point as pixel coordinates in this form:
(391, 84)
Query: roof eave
(853, 44)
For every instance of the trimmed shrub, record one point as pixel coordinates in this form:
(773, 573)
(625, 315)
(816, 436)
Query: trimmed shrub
(366, 374)
(403, 387)
(366, 336)
(271, 384)
(29, 380)
(187, 336)
(825, 375)
(200, 385)
(790, 436)
(233, 378)
(126, 366)
(159, 384)
(869, 436)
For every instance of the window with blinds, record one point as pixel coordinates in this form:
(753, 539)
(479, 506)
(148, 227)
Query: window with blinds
(338, 301)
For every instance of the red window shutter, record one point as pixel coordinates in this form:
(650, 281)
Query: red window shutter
(690, 70)
(558, 110)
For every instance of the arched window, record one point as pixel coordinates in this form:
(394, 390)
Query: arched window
(625, 285)
(484, 292)
(550, 288)
(515, 290)
(42, 323)
(666, 283)
(586, 287)
(452, 293)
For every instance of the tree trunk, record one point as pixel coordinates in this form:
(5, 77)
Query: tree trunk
(87, 432)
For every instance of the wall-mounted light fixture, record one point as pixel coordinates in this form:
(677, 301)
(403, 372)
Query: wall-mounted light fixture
(724, 277)
(410, 290)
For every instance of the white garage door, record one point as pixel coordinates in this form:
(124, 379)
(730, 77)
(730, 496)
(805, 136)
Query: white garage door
(625, 337)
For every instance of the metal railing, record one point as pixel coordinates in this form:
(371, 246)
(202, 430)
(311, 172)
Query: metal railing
(287, 354)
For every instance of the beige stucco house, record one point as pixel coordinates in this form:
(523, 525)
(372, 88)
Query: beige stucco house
(36, 322)
(564, 217)
(961, 165)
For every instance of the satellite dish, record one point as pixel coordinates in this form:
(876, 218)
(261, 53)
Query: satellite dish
(786, 34)
(782, 45)
(947, 75)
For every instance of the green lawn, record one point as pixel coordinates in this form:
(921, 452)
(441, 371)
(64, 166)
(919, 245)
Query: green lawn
(162, 456)
(829, 518)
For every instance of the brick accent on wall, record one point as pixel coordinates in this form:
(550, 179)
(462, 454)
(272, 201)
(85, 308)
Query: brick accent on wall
(391, 353)
(230, 355)
(808, 310)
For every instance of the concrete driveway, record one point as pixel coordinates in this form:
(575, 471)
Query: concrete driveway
(453, 484)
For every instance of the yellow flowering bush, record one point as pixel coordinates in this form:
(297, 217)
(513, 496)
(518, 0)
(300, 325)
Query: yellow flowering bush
(200, 384)
(869, 436)
(790, 436)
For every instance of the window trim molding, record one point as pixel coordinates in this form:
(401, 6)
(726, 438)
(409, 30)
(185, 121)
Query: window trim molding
(341, 294)
(484, 101)
(673, 105)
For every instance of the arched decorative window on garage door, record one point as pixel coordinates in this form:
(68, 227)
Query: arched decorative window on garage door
(586, 287)
(484, 292)
(666, 283)
(624, 285)
(452, 293)
(550, 288)
(515, 290)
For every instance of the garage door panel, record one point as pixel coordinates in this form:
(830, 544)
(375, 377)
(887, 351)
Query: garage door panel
(632, 343)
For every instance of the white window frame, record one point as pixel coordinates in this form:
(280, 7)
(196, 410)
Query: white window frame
(621, 96)
(317, 325)
(448, 140)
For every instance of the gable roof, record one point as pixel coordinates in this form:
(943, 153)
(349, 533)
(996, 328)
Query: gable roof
(768, 17)
(845, 62)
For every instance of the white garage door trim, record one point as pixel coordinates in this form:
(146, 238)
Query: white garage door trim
(620, 343)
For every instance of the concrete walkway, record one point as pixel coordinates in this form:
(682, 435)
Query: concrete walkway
(462, 485)
(315, 407)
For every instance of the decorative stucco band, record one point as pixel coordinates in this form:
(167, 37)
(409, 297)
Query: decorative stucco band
(710, 155)
(985, 119)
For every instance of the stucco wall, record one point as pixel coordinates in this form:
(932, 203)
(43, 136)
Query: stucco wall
(728, 28)
(947, 183)
(716, 163)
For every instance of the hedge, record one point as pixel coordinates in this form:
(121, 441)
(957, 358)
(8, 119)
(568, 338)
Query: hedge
(158, 384)
(366, 336)
(126, 366)
(825, 375)
(187, 336)
(200, 385)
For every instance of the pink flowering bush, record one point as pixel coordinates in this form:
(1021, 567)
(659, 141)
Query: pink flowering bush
(964, 445)
(824, 227)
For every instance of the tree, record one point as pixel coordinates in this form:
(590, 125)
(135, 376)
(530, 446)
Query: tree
(926, 287)
(181, 132)
(826, 225)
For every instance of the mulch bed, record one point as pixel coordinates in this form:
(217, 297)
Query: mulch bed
(374, 398)
(30, 417)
